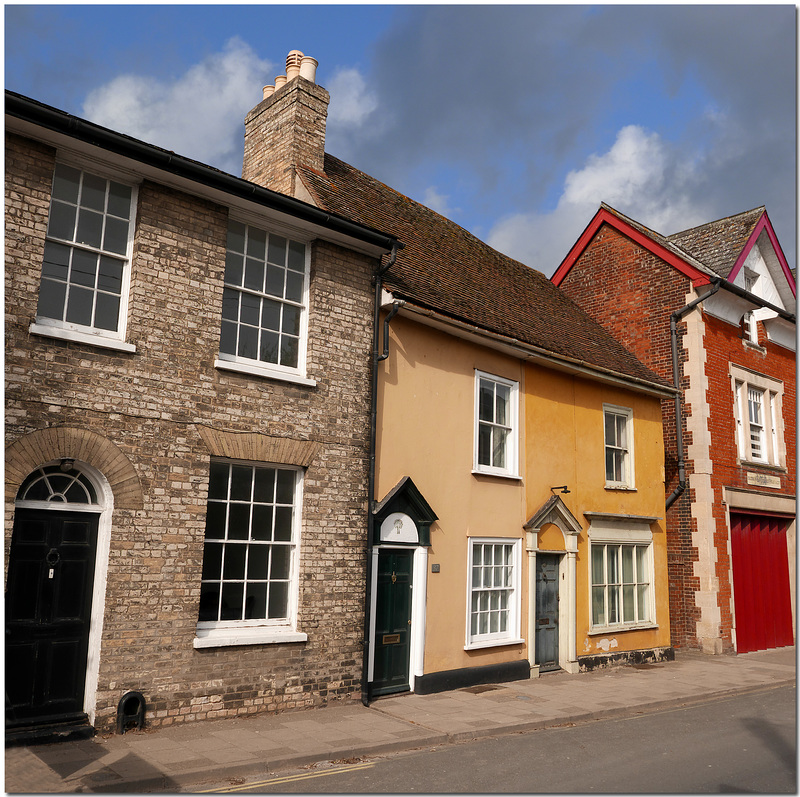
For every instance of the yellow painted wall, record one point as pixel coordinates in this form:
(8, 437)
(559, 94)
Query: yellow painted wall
(426, 410)
(565, 445)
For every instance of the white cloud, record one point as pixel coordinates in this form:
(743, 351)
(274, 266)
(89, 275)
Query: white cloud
(437, 201)
(351, 103)
(199, 114)
(640, 175)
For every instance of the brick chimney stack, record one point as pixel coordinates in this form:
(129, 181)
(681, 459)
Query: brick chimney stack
(287, 128)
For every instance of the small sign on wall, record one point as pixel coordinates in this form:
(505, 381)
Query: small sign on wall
(764, 480)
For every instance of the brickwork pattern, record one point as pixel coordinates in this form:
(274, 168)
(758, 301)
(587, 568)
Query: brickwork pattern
(284, 131)
(163, 408)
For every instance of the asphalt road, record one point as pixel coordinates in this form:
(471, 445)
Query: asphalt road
(741, 744)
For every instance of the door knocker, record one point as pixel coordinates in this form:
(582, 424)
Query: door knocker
(53, 557)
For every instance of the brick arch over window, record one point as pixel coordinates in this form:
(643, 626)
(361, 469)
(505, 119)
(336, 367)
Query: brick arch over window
(33, 450)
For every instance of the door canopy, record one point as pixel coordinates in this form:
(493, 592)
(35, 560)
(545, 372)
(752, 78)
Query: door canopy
(404, 516)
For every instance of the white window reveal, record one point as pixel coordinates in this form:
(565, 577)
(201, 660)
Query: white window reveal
(618, 435)
(496, 425)
(249, 584)
(494, 592)
(86, 266)
(757, 408)
(264, 304)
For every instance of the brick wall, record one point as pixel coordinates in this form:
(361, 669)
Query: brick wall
(153, 404)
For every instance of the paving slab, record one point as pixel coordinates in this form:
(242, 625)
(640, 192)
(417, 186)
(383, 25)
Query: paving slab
(169, 759)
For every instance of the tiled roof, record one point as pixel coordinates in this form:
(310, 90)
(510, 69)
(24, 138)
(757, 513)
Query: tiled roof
(719, 243)
(444, 268)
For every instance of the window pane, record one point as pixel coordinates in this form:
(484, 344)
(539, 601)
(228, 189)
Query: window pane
(56, 261)
(232, 595)
(610, 430)
(258, 561)
(627, 564)
(255, 604)
(486, 401)
(52, 296)
(236, 236)
(613, 604)
(227, 338)
(239, 522)
(294, 286)
(248, 342)
(209, 602)
(256, 243)
(262, 523)
(502, 395)
(289, 351)
(79, 306)
(62, 221)
(216, 514)
(278, 600)
(234, 268)
(84, 268)
(119, 200)
(291, 320)
(218, 480)
(598, 606)
(283, 523)
(598, 553)
(641, 563)
(277, 250)
(500, 436)
(241, 483)
(93, 194)
(90, 228)
(264, 487)
(628, 603)
(212, 561)
(612, 568)
(642, 603)
(254, 274)
(271, 315)
(622, 431)
(284, 493)
(269, 346)
(109, 276)
(297, 256)
(106, 313)
(250, 309)
(233, 567)
(116, 237)
(275, 280)
(66, 182)
(281, 558)
(484, 445)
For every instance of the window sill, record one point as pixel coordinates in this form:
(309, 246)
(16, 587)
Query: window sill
(752, 463)
(223, 637)
(624, 488)
(47, 331)
(493, 643)
(616, 629)
(263, 372)
(510, 476)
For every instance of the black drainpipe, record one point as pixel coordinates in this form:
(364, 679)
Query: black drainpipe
(676, 380)
(373, 423)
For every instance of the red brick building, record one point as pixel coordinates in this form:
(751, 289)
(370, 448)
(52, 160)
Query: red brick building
(711, 308)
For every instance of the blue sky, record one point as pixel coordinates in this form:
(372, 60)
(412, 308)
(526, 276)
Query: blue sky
(515, 121)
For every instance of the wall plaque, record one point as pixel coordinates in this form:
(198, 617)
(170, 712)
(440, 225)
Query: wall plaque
(764, 480)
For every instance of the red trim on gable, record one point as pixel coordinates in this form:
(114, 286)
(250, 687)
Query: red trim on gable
(764, 223)
(605, 217)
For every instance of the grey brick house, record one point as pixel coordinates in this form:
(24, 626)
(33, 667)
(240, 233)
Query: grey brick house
(187, 434)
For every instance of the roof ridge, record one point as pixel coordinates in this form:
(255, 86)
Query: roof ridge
(760, 209)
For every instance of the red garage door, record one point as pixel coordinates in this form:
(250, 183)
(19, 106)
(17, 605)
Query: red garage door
(761, 582)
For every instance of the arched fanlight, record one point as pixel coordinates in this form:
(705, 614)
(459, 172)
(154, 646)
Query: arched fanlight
(57, 484)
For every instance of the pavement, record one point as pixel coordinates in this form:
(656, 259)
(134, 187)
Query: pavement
(213, 753)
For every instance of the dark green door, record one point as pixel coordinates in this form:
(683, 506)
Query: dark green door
(547, 611)
(392, 622)
(48, 609)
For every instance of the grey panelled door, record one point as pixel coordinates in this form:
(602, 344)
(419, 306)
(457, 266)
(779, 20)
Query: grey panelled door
(547, 611)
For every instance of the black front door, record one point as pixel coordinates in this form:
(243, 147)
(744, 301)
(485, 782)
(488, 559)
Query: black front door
(547, 611)
(392, 639)
(48, 608)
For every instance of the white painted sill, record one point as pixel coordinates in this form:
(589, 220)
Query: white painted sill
(493, 643)
(618, 629)
(59, 333)
(623, 488)
(224, 637)
(263, 372)
(510, 476)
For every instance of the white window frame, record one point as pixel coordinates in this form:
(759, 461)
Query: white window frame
(511, 636)
(218, 633)
(748, 319)
(745, 384)
(603, 535)
(254, 367)
(81, 333)
(628, 481)
(511, 469)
